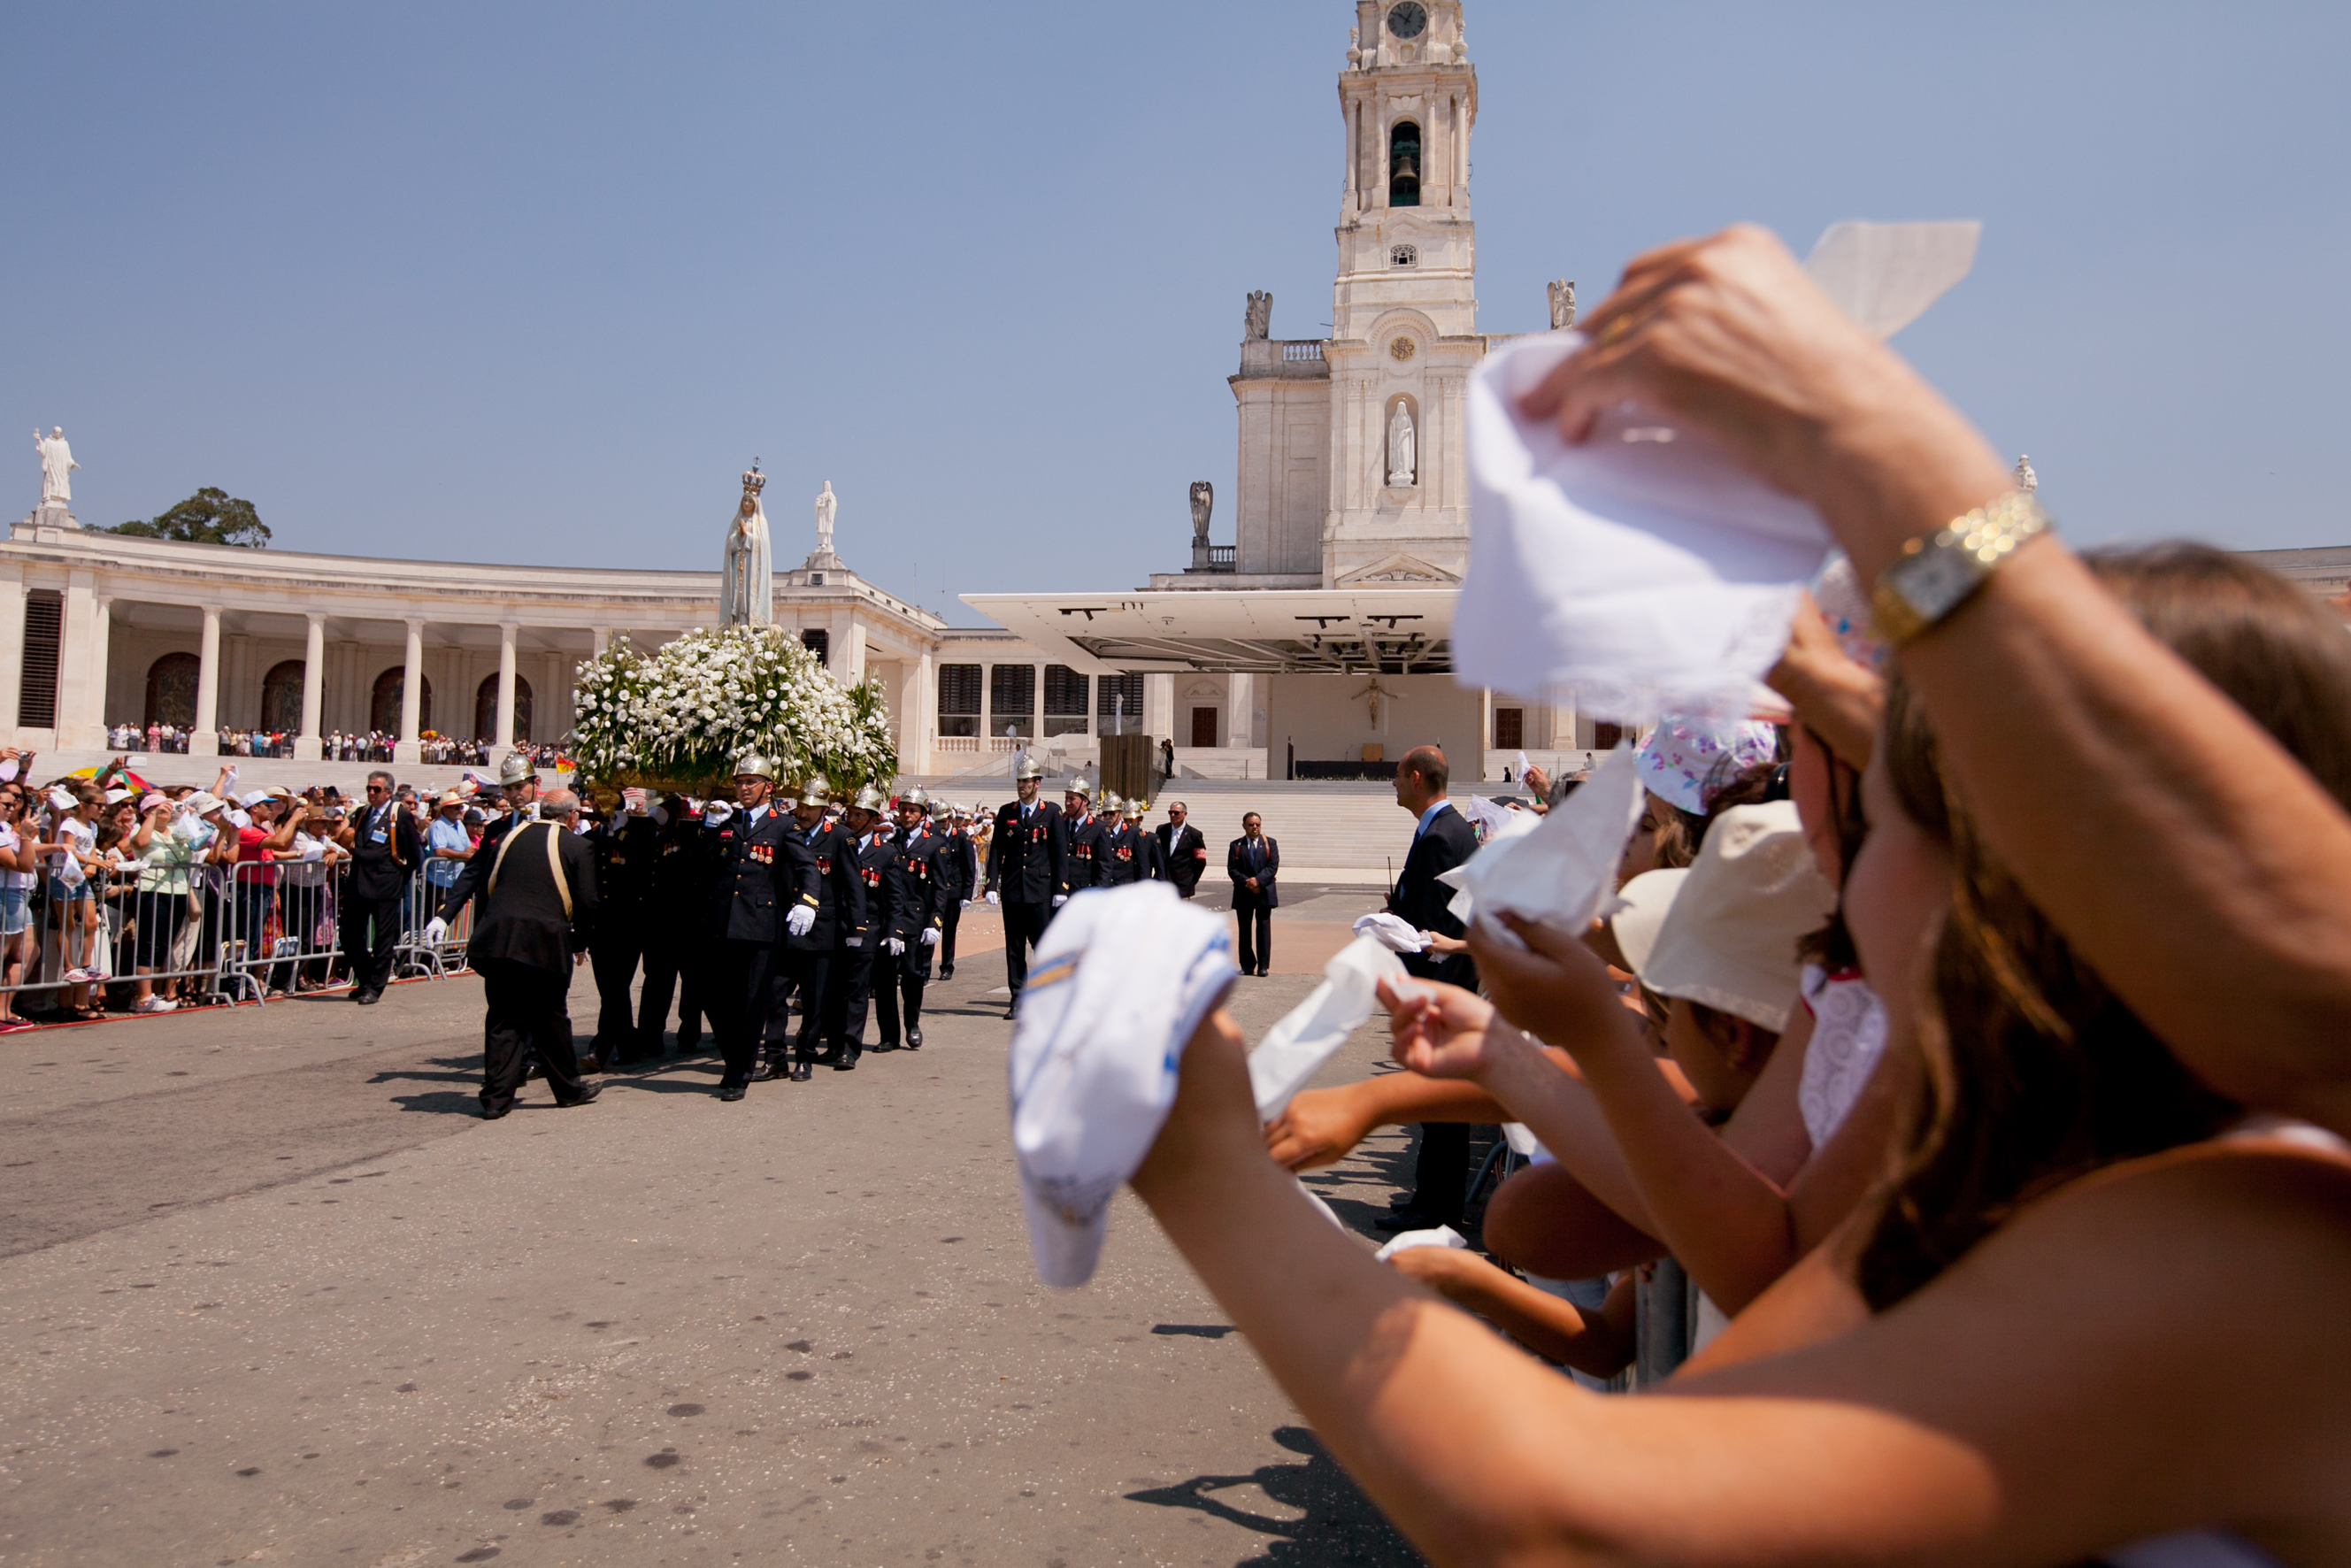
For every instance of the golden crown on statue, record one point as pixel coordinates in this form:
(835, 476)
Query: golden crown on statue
(753, 480)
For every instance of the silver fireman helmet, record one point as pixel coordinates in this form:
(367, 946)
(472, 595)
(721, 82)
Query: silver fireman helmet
(870, 799)
(1080, 789)
(941, 811)
(815, 793)
(751, 765)
(1110, 803)
(515, 769)
(1136, 809)
(1029, 768)
(913, 795)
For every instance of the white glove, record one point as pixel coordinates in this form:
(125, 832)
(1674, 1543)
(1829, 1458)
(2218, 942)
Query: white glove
(896, 947)
(716, 814)
(436, 931)
(798, 921)
(930, 936)
(992, 897)
(1060, 899)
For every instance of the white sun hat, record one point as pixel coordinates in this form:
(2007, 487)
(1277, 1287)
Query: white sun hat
(1119, 982)
(1729, 939)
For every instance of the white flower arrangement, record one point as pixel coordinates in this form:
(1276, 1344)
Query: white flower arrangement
(684, 712)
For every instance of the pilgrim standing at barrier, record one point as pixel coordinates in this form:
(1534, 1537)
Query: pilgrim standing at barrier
(538, 907)
(1442, 840)
(1025, 873)
(385, 852)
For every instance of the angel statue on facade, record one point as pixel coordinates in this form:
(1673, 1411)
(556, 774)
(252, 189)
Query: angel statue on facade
(1562, 303)
(746, 587)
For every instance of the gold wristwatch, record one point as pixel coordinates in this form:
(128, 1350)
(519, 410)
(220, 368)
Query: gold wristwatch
(1935, 573)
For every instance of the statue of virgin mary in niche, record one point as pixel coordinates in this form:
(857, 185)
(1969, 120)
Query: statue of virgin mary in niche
(1403, 454)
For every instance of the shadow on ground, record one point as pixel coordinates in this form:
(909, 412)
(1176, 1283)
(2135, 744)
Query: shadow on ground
(1336, 1523)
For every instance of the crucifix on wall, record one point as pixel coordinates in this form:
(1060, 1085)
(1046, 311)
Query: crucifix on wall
(1375, 698)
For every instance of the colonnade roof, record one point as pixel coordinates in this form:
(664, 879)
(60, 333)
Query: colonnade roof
(1400, 631)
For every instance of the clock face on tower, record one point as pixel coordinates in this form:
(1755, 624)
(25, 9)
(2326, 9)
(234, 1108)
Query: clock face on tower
(1407, 18)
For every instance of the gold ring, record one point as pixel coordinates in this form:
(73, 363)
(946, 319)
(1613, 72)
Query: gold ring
(1616, 329)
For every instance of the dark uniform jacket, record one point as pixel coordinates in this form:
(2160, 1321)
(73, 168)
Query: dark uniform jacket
(1150, 863)
(759, 870)
(874, 854)
(958, 869)
(1121, 858)
(840, 891)
(626, 848)
(911, 883)
(1182, 856)
(1263, 862)
(1082, 848)
(385, 850)
(678, 883)
(1024, 856)
(1420, 900)
(523, 920)
(476, 873)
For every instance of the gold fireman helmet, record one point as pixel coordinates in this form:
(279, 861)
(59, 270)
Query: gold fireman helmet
(815, 793)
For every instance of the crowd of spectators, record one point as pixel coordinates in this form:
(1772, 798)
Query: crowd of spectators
(374, 745)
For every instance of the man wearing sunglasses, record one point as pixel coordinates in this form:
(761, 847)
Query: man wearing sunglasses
(385, 851)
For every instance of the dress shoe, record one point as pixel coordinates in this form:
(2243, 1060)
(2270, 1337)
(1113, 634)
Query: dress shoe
(488, 1115)
(1409, 1219)
(587, 1092)
(801, 1073)
(879, 1046)
(914, 1037)
(592, 1063)
(946, 971)
(367, 998)
(845, 1061)
(1011, 1012)
(1262, 973)
(767, 1071)
(731, 1091)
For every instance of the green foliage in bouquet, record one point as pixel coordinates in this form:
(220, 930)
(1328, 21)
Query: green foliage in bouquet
(681, 714)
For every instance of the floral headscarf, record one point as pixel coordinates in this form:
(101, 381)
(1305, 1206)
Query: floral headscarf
(1683, 756)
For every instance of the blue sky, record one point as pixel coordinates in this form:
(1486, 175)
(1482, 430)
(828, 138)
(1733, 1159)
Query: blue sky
(520, 282)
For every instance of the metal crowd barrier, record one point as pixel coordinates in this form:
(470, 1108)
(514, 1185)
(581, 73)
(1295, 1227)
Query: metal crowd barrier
(240, 933)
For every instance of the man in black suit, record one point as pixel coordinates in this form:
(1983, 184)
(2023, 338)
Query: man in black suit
(676, 955)
(385, 851)
(1442, 840)
(1253, 862)
(1025, 873)
(763, 890)
(959, 876)
(810, 964)
(1183, 853)
(626, 846)
(539, 906)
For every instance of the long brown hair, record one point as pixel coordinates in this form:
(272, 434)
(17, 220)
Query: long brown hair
(2035, 1072)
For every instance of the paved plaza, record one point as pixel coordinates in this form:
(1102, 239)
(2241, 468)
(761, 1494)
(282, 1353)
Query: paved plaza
(272, 1292)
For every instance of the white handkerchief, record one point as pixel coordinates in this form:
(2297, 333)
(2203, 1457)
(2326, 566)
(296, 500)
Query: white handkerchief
(1308, 1034)
(1392, 933)
(1558, 874)
(1120, 980)
(1643, 570)
(1405, 1240)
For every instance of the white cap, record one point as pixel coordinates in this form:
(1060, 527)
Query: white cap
(1119, 982)
(252, 796)
(204, 802)
(117, 795)
(1729, 938)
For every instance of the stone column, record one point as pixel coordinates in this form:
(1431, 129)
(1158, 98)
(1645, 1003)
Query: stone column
(1159, 708)
(307, 746)
(77, 704)
(411, 697)
(502, 740)
(852, 664)
(918, 724)
(12, 648)
(603, 636)
(1037, 707)
(101, 649)
(204, 739)
(987, 704)
(1240, 710)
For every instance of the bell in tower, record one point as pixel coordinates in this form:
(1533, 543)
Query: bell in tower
(1403, 165)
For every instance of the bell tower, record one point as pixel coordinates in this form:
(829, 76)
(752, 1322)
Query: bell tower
(1404, 314)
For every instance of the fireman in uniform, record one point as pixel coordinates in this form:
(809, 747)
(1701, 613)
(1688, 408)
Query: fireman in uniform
(804, 967)
(763, 890)
(910, 881)
(1025, 873)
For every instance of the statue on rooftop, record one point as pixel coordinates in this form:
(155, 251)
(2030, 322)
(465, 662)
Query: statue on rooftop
(1256, 323)
(1562, 303)
(827, 504)
(56, 464)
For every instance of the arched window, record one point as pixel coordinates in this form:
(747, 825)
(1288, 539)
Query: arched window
(171, 690)
(1404, 164)
(281, 697)
(486, 709)
(383, 704)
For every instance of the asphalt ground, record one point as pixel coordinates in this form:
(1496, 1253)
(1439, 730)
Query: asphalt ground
(271, 1291)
